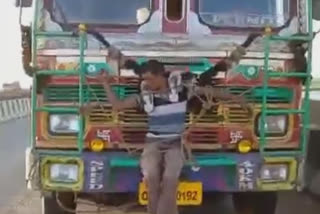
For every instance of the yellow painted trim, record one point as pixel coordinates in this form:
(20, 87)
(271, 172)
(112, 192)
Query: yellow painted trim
(45, 174)
(278, 140)
(292, 176)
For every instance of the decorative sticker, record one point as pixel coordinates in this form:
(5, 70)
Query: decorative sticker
(236, 136)
(246, 175)
(95, 172)
(104, 134)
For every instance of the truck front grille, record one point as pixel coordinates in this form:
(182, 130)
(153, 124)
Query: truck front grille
(92, 93)
(134, 134)
(237, 115)
(133, 117)
(101, 114)
(210, 117)
(255, 95)
(203, 135)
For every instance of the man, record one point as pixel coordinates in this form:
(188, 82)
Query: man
(162, 158)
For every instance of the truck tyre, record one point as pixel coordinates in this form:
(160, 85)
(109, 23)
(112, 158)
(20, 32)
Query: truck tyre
(255, 202)
(49, 204)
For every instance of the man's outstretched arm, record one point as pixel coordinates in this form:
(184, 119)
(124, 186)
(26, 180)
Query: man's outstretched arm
(117, 104)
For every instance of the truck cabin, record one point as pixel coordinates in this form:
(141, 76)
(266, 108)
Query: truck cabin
(185, 35)
(258, 152)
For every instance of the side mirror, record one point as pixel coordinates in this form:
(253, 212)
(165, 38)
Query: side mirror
(316, 9)
(23, 3)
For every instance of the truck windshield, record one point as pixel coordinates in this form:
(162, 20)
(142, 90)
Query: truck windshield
(249, 13)
(115, 12)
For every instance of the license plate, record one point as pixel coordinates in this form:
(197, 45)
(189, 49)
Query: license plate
(189, 193)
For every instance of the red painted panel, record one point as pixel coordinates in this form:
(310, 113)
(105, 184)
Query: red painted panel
(174, 27)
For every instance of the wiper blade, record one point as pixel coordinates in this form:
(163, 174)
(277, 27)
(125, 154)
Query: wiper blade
(65, 25)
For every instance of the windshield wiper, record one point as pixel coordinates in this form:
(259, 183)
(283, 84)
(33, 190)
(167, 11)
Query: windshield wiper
(66, 26)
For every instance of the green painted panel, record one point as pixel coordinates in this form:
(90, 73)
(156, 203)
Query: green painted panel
(91, 93)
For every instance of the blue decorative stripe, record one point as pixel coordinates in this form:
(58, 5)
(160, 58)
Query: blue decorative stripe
(170, 128)
(158, 101)
(167, 119)
(173, 108)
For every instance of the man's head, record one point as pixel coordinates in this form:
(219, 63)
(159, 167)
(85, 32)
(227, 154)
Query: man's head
(154, 75)
(152, 72)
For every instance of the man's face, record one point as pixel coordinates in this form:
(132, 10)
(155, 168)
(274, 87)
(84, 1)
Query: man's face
(154, 82)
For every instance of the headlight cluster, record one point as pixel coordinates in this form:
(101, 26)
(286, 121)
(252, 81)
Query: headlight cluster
(275, 125)
(64, 123)
(63, 173)
(66, 173)
(274, 172)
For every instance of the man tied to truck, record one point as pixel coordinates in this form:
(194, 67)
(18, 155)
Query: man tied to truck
(165, 102)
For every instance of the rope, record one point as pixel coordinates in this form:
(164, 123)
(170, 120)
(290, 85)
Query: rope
(207, 104)
(186, 148)
(33, 170)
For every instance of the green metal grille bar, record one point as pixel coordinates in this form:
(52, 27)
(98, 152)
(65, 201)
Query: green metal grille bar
(58, 152)
(264, 97)
(304, 111)
(284, 111)
(295, 74)
(34, 83)
(58, 72)
(291, 38)
(33, 111)
(55, 34)
(306, 103)
(83, 39)
(58, 109)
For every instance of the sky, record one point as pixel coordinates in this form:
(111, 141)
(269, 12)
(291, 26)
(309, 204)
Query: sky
(10, 54)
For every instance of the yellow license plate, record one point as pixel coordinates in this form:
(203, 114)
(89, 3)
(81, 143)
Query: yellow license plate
(189, 193)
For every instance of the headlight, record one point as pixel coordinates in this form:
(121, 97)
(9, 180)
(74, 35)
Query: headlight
(274, 172)
(66, 173)
(64, 123)
(275, 125)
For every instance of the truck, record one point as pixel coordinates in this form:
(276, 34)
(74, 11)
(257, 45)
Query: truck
(93, 158)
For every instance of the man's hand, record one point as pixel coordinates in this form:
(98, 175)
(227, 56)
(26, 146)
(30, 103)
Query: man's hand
(114, 53)
(86, 109)
(103, 77)
(249, 111)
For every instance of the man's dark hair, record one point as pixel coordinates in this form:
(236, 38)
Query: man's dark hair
(153, 66)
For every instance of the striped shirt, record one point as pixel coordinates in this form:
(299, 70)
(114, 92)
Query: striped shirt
(167, 119)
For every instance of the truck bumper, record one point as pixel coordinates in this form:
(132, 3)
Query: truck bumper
(115, 172)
